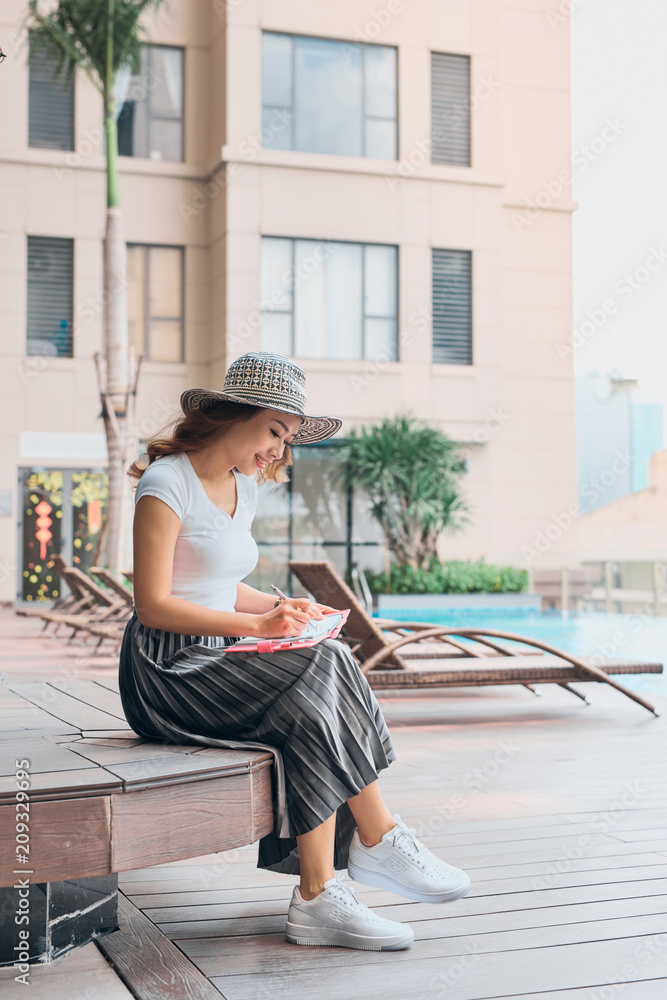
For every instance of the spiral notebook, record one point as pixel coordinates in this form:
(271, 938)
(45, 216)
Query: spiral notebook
(317, 629)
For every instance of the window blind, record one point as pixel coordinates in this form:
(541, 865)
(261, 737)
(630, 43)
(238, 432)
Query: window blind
(452, 307)
(50, 261)
(450, 109)
(50, 106)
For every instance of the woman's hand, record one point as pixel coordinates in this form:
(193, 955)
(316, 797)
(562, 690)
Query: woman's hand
(289, 618)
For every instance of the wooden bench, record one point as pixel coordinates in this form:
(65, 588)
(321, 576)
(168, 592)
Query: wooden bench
(98, 797)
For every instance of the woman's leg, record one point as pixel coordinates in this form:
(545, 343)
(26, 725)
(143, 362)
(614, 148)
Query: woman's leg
(316, 848)
(316, 851)
(372, 816)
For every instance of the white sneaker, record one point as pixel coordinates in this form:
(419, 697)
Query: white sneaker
(336, 917)
(402, 864)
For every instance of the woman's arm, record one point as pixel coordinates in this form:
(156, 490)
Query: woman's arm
(254, 602)
(156, 528)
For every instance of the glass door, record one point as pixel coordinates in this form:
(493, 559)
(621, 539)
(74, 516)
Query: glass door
(62, 511)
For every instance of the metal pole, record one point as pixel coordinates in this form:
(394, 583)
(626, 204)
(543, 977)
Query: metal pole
(607, 587)
(564, 591)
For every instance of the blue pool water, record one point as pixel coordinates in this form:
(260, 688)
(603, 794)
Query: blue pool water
(636, 636)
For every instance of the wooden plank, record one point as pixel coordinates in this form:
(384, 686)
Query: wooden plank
(268, 953)
(62, 706)
(42, 756)
(108, 682)
(526, 972)
(177, 767)
(204, 816)
(69, 838)
(253, 898)
(103, 734)
(74, 784)
(181, 923)
(93, 694)
(152, 967)
(131, 751)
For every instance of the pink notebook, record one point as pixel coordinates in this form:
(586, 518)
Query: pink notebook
(317, 629)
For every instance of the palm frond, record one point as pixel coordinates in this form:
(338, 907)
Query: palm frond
(410, 472)
(74, 34)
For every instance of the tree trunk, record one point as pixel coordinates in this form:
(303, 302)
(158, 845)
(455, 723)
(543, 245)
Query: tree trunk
(117, 401)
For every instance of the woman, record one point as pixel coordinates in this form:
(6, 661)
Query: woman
(312, 708)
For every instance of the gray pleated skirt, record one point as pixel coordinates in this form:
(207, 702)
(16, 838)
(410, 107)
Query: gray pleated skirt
(312, 708)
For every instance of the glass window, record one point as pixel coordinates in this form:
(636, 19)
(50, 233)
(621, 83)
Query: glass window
(312, 517)
(150, 115)
(324, 96)
(155, 301)
(329, 299)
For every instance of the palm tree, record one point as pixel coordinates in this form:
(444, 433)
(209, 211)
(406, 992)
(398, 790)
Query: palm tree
(101, 37)
(411, 474)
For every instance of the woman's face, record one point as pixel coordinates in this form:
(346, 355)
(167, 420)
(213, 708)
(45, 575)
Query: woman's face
(255, 443)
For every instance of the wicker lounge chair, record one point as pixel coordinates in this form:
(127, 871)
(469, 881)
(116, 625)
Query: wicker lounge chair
(110, 581)
(454, 657)
(93, 605)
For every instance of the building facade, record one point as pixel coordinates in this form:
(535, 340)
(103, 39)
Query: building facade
(383, 193)
(618, 432)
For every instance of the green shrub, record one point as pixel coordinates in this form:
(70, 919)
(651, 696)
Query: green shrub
(453, 577)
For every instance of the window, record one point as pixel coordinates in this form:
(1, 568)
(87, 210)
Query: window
(155, 301)
(150, 120)
(50, 105)
(50, 267)
(328, 299)
(450, 109)
(452, 307)
(324, 96)
(312, 516)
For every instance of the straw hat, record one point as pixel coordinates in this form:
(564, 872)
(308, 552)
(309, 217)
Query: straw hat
(261, 378)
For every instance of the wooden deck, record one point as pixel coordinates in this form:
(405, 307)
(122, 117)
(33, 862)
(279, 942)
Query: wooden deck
(556, 809)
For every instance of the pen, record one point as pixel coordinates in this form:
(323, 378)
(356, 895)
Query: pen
(284, 597)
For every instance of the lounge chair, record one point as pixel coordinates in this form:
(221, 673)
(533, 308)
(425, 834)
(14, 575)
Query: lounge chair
(77, 600)
(384, 649)
(110, 581)
(93, 605)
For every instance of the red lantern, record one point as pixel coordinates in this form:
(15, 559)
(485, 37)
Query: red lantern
(43, 535)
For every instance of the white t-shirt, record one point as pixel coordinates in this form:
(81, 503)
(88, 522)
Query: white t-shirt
(214, 551)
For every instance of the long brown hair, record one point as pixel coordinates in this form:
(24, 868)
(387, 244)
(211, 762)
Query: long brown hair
(193, 430)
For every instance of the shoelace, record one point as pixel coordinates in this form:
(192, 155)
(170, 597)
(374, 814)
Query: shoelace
(346, 895)
(407, 837)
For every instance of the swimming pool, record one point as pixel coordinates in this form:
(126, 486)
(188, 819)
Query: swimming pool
(636, 636)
